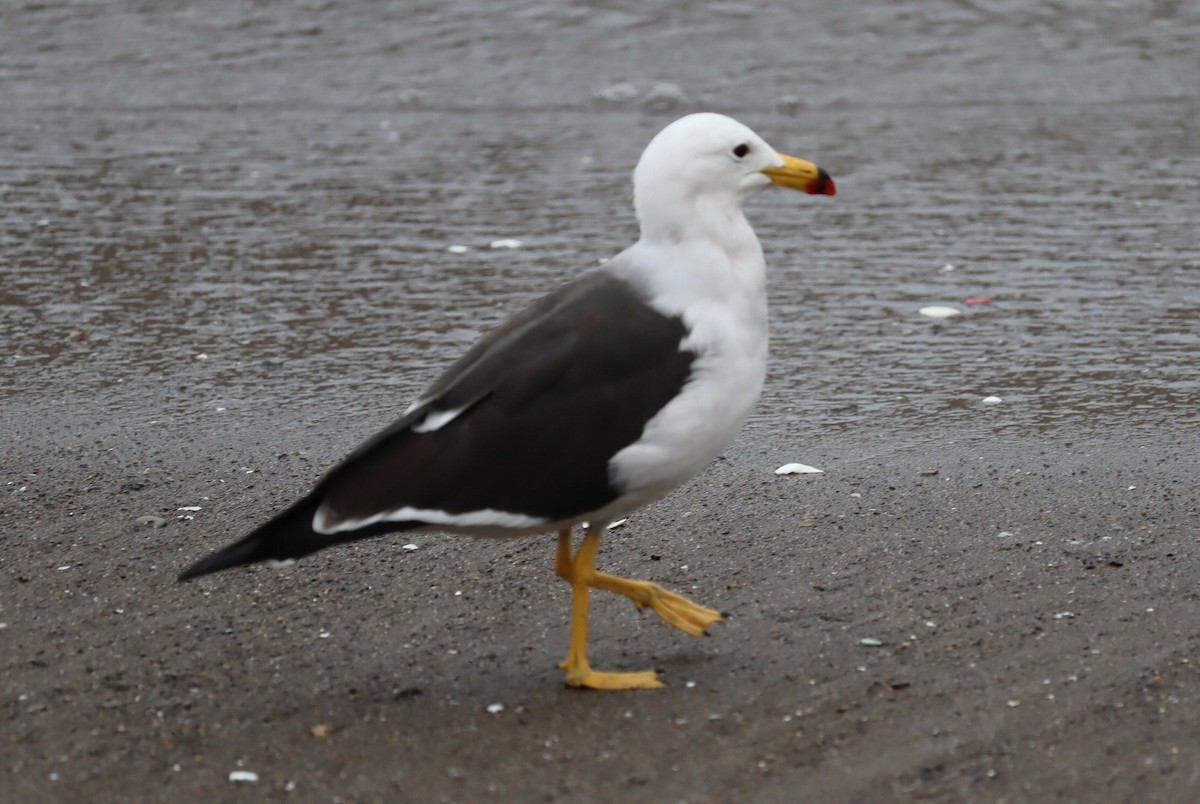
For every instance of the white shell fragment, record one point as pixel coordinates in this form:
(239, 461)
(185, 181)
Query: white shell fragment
(410, 547)
(457, 249)
(939, 311)
(495, 709)
(243, 776)
(991, 400)
(798, 469)
(506, 243)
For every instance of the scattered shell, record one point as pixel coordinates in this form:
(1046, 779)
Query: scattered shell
(947, 268)
(495, 709)
(151, 521)
(798, 469)
(321, 730)
(870, 642)
(243, 776)
(410, 547)
(940, 311)
(991, 400)
(618, 523)
(506, 243)
(1064, 615)
(457, 249)
(189, 508)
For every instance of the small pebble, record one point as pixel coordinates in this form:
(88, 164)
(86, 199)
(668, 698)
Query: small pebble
(495, 709)
(243, 776)
(151, 521)
(506, 243)
(870, 642)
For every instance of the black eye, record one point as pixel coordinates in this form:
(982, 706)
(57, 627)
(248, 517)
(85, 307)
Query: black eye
(741, 150)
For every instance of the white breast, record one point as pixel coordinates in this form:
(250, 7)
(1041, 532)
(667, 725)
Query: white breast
(723, 303)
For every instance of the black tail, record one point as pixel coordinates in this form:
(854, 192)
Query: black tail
(288, 535)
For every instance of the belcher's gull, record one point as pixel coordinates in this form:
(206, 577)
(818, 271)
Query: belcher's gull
(597, 399)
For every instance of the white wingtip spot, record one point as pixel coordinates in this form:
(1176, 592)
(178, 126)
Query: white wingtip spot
(436, 420)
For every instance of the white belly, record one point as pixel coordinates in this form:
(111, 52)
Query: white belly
(694, 428)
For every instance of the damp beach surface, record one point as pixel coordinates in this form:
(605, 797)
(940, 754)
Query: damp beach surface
(236, 241)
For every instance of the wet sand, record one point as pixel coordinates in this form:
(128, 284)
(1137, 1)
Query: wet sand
(225, 262)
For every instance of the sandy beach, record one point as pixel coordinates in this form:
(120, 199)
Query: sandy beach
(238, 239)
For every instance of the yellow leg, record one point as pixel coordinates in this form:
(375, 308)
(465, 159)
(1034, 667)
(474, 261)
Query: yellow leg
(580, 571)
(675, 609)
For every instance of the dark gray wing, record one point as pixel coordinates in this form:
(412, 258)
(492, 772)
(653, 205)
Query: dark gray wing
(548, 398)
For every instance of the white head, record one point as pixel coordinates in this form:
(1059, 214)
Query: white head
(701, 169)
